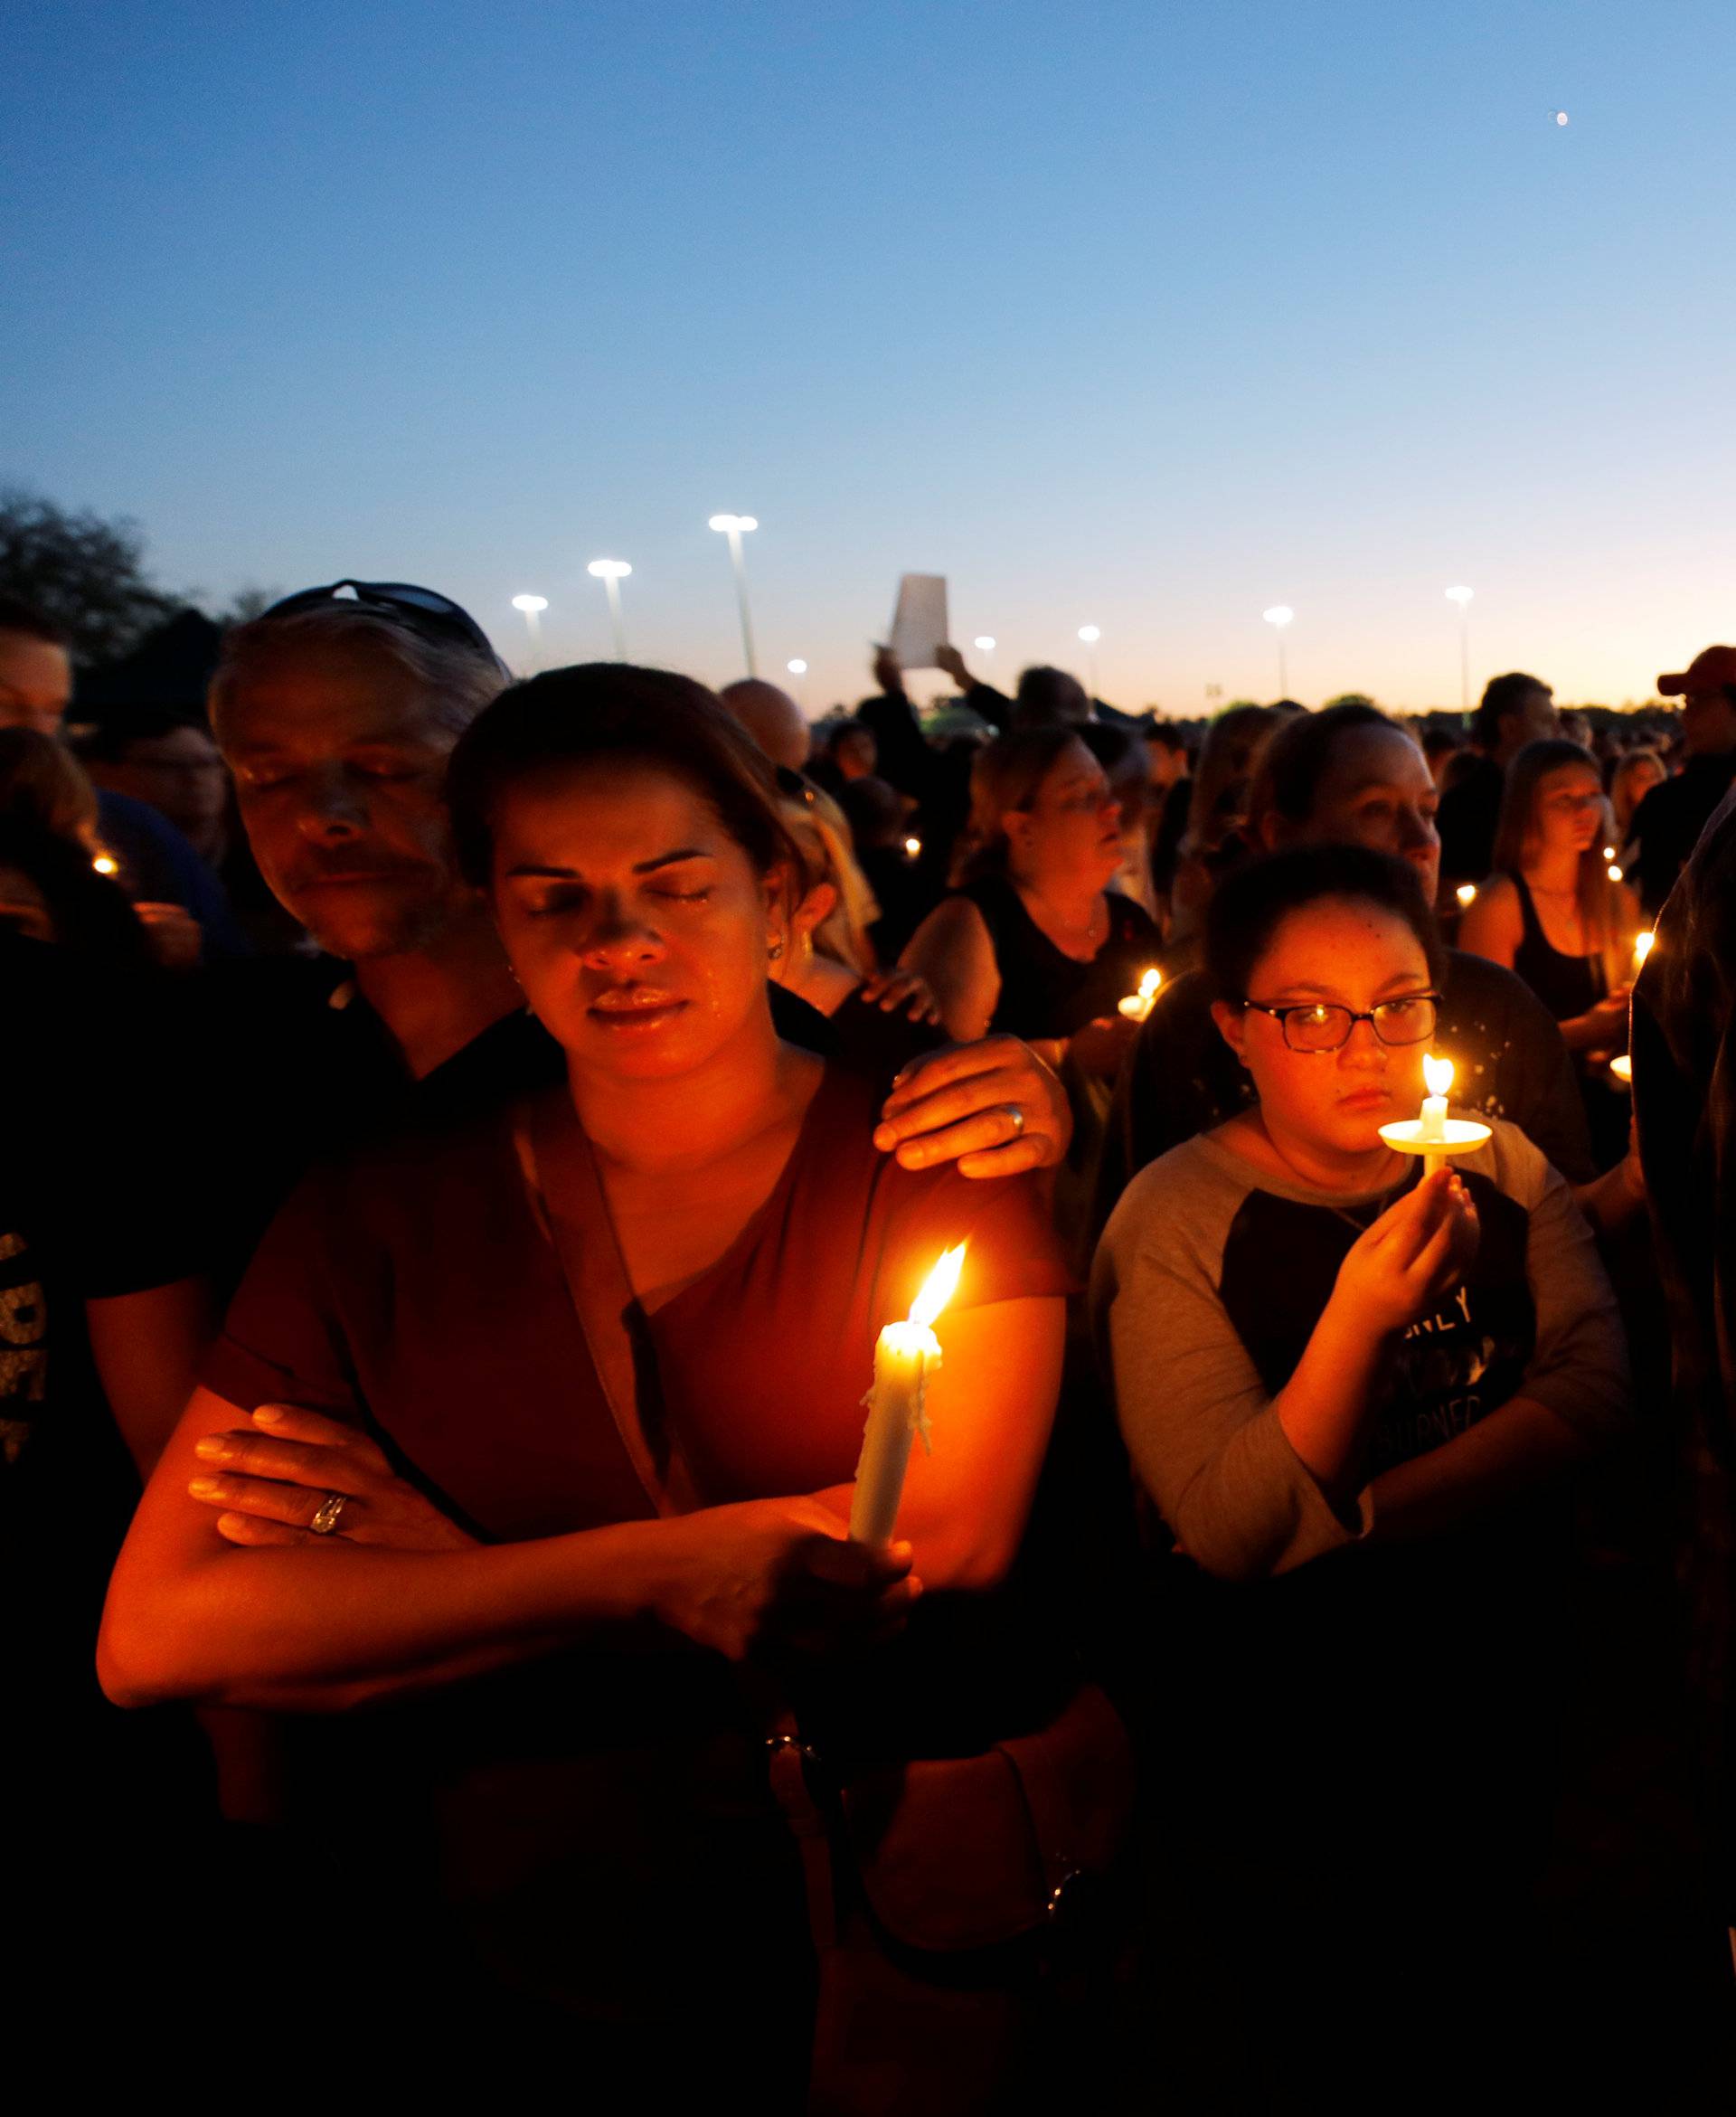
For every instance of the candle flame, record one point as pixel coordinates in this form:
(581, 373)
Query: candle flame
(1439, 1074)
(1150, 983)
(912, 846)
(1643, 947)
(1615, 872)
(1608, 852)
(938, 1288)
(106, 863)
(1467, 894)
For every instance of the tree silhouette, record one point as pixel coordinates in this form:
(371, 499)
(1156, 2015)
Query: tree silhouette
(83, 572)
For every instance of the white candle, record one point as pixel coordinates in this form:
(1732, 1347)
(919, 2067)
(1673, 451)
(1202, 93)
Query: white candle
(1438, 1075)
(1138, 1004)
(905, 1355)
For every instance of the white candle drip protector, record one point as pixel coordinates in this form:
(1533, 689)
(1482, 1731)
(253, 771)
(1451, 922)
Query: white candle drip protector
(1434, 1135)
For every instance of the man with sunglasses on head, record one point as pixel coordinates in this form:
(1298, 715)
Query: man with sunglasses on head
(337, 711)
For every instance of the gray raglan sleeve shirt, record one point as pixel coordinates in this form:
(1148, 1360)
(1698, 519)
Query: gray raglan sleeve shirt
(1203, 1434)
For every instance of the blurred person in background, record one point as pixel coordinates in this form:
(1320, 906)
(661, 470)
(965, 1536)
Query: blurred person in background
(1034, 943)
(1669, 821)
(1126, 765)
(1549, 909)
(875, 812)
(1217, 811)
(1552, 913)
(1514, 709)
(773, 719)
(1440, 746)
(846, 752)
(1634, 774)
(174, 893)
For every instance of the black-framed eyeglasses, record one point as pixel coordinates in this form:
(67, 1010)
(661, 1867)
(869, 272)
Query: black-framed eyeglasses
(432, 611)
(1315, 1026)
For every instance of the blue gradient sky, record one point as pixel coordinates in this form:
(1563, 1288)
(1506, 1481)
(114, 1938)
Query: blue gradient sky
(1147, 316)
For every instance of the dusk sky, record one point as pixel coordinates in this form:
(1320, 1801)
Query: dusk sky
(1146, 315)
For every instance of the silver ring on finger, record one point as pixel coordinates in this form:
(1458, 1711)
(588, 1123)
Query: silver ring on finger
(329, 1513)
(1017, 1116)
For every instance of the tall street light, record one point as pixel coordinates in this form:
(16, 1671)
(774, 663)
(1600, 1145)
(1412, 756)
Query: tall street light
(1090, 634)
(1277, 618)
(532, 607)
(799, 669)
(611, 572)
(1462, 597)
(734, 526)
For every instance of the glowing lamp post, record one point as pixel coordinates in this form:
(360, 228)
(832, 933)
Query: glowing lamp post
(984, 642)
(533, 606)
(905, 1356)
(611, 572)
(1462, 597)
(1434, 1135)
(736, 526)
(798, 669)
(1090, 634)
(1278, 617)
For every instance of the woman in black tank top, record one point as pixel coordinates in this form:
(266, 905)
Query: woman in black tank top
(1555, 911)
(1033, 943)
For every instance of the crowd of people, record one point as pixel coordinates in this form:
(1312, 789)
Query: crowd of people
(469, 1135)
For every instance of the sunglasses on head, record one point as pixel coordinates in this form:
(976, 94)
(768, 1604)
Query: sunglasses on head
(431, 612)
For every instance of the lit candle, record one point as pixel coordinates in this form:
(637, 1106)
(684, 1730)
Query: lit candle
(1642, 948)
(1138, 1004)
(1608, 852)
(913, 847)
(1615, 872)
(106, 863)
(1434, 1135)
(1466, 895)
(1438, 1075)
(905, 1356)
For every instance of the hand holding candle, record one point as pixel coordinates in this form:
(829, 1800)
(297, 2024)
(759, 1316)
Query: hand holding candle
(905, 1355)
(1138, 1004)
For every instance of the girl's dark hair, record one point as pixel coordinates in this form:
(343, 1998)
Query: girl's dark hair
(1250, 905)
(610, 712)
(1298, 757)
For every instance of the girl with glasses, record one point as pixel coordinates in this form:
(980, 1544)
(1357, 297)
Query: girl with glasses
(1353, 1396)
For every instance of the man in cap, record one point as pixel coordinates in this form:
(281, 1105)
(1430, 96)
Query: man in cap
(1668, 822)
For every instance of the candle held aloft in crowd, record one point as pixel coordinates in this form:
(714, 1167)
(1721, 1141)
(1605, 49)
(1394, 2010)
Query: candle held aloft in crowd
(1138, 1004)
(1466, 895)
(1642, 943)
(913, 847)
(905, 1355)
